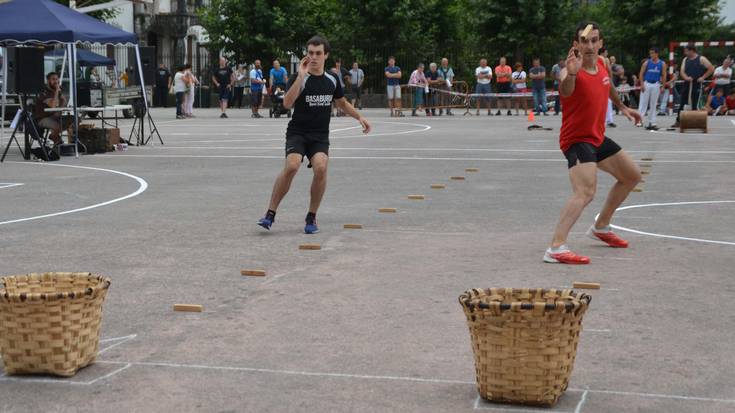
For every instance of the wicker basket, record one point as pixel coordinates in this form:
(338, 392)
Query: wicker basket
(50, 323)
(524, 341)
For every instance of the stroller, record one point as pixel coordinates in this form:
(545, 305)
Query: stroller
(277, 108)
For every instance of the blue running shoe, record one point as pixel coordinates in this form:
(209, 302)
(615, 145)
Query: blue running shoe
(311, 228)
(265, 222)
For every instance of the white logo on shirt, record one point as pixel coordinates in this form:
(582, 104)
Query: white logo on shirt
(318, 100)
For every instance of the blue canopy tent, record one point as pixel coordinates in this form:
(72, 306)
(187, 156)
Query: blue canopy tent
(84, 57)
(46, 22)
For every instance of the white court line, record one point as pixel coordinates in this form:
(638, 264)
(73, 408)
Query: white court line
(581, 402)
(143, 185)
(8, 185)
(708, 241)
(511, 409)
(389, 158)
(592, 330)
(124, 340)
(733, 122)
(64, 380)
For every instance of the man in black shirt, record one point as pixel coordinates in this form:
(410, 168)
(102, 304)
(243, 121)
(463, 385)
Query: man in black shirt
(311, 94)
(163, 84)
(223, 80)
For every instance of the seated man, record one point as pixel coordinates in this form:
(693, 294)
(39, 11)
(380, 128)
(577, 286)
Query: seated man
(51, 97)
(716, 104)
(730, 103)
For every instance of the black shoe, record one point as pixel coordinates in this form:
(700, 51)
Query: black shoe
(509, 113)
(652, 127)
(662, 114)
(546, 114)
(222, 116)
(612, 125)
(497, 113)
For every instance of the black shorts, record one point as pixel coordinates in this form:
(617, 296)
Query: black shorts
(356, 91)
(503, 87)
(256, 96)
(306, 144)
(224, 93)
(586, 152)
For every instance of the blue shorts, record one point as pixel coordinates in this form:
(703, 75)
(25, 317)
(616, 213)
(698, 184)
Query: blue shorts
(224, 93)
(483, 88)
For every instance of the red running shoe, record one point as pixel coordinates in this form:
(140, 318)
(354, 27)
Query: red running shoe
(565, 257)
(608, 238)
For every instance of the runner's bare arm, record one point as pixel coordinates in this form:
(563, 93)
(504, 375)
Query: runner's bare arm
(568, 75)
(345, 106)
(295, 90)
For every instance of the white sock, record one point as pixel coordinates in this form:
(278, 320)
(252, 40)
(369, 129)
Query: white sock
(560, 248)
(606, 228)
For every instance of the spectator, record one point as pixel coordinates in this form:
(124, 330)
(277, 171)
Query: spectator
(418, 84)
(519, 86)
(617, 71)
(503, 76)
(653, 76)
(51, 97)
(722, 76)
(609, 114)
(483, 74)
(163, 84)
(257, 82)
(447, 75)
(341, 74)
(669, 88)
(556, 74)
(278, 76)
(193, 81)
(435, 82)
(357, 77)
(716, 105)
(730, 102)
(538, 86)
(180, 86)
(393, 75)
(694, 70)
(241, 79)
(223, 79)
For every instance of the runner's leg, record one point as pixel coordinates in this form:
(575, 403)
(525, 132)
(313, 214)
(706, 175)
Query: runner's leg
(583, 178)
(623, 168)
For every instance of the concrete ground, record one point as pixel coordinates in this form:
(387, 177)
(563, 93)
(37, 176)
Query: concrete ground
(371, 322)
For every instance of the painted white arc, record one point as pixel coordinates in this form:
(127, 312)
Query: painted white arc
(143, 185)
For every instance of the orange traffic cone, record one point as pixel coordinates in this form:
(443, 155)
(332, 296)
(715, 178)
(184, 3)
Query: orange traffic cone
(531, 116)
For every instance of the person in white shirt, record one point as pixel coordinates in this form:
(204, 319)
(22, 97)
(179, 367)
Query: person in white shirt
(193, 81)
(180, 86)
(518, 77)
(357, 77)
(483, 74)
(722, 77)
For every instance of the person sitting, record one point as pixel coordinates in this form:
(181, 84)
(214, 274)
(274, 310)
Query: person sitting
(730, 103)
(716, 104)
(51, 97)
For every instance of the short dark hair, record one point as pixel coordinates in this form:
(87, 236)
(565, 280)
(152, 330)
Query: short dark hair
(691, 47)
(337, 60)
(583, 25)
(653, 49)
(319, 40)
(391, 57)
(48, 76)
(537, 58)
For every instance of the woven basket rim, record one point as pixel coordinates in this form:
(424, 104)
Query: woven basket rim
(103, 283)
(572, 299)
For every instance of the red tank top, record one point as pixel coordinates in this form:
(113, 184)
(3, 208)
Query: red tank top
(583, 113)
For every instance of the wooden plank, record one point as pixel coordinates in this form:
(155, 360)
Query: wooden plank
(416, 197)
(471, 170)
(254, 273)
(191, 308)
(438, 186)
(310, 247)
(353, 226)
(457, 178)
(586, 285)
(387, 210)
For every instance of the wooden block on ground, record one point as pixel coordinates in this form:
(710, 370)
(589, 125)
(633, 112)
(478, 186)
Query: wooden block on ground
(471, 170)
(457, 178)
(310, 247)
(646, 159)
(637, 189)
(254, 273)
(388, 210)
(645, 173)
(191, 308)
(353, 226)
(416, 197)
(645, 165)
(438, 186)
(586, 285)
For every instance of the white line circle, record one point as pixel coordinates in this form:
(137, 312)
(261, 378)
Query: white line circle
(708, 241)
(143, 185)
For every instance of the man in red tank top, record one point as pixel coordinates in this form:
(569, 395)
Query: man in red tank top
(585, 87)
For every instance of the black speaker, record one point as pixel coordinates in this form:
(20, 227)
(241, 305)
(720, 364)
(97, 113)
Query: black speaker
(25, 70)
(148, 63)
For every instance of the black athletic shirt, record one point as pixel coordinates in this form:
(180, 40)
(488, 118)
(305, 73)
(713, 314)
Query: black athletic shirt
(313, 108)
(223, 75)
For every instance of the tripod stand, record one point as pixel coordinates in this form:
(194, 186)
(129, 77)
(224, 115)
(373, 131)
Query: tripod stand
(29, 126)
(142, 114)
